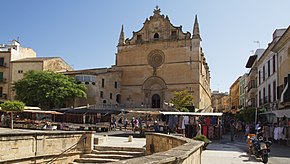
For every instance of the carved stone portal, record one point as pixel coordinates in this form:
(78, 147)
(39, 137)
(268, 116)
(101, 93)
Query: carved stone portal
(153, 91)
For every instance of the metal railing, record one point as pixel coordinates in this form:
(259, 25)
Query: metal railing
(83, 139)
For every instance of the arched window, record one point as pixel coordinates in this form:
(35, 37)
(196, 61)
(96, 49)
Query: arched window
(118, 98)
(156, 36)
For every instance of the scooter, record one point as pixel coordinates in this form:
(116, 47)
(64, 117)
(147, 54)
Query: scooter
(259, 147)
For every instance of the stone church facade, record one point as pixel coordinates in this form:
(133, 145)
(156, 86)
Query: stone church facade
(159, 60)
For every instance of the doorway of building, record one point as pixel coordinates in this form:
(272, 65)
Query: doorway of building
(155, 101)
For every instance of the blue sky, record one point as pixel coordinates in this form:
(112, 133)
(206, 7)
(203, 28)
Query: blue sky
(85, 32)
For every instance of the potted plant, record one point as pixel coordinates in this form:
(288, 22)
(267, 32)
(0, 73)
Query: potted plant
(204, 139)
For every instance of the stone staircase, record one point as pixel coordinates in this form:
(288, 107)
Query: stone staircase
(106, 154)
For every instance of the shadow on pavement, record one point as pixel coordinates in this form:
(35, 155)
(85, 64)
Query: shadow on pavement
(278, 150)
(250, 158)
(135, 135)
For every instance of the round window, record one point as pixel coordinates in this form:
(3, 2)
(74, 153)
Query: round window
(156, 58)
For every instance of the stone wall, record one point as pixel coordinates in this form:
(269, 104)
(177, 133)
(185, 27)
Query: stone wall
(167, 149)
(161, 142)
(38, 147)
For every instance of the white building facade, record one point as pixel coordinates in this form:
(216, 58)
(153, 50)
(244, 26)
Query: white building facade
(267, 76)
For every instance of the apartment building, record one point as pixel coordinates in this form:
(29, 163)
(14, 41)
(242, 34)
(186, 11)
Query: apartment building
(235, 95)
(15, 60)
(243, 92)
(220, 101)
(19, 67)
(267, 75)
(282, 53)
(252, 79)
(9, 53)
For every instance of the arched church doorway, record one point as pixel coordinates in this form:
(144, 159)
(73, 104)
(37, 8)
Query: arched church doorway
(155, 101)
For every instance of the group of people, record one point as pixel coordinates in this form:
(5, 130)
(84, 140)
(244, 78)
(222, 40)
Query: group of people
(239, 129)
(274, 132)
(136, 123)
(124, 122)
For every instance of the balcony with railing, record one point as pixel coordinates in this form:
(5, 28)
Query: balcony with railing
(252, 86)
(286, 98)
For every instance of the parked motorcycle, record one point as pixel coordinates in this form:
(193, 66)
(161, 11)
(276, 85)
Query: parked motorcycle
(259, 147)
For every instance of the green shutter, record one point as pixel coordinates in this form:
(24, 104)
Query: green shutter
(1, 61)
(1, 76)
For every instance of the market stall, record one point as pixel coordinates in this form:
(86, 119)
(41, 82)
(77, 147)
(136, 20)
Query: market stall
(37, 119)
(147, 119)
(191, 123)
(277, 125)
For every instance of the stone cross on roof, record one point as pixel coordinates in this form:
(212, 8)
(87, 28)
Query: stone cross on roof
(156, 10)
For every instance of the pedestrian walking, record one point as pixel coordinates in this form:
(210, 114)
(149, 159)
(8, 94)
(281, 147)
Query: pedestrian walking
(125, 123)
(120, 123)
(156, 126)
(133, 124)
(136, 124)
(233, 129)
(2, 120)
(247, 130)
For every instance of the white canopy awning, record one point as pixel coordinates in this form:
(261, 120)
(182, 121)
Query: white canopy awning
(282, 113)
(191, 114)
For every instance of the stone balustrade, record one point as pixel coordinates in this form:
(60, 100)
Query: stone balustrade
(38, 147)
(168, 149)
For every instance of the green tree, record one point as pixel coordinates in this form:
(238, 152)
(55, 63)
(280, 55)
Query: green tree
(11, 107)
(181, 100)
(47, 89)
(247, 115)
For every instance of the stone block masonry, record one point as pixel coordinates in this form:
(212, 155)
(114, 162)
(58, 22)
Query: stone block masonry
(38, 147)
(168, 149)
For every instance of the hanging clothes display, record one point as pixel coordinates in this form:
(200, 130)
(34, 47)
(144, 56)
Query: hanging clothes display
(217, 131)
(204, 130)
(276, 133)
(171, 123)
(198, 130)
(281, 133)
(271, 131)
(185, 122)
(266, 132)
(213, 120)
(211, 132)
(207, 120)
